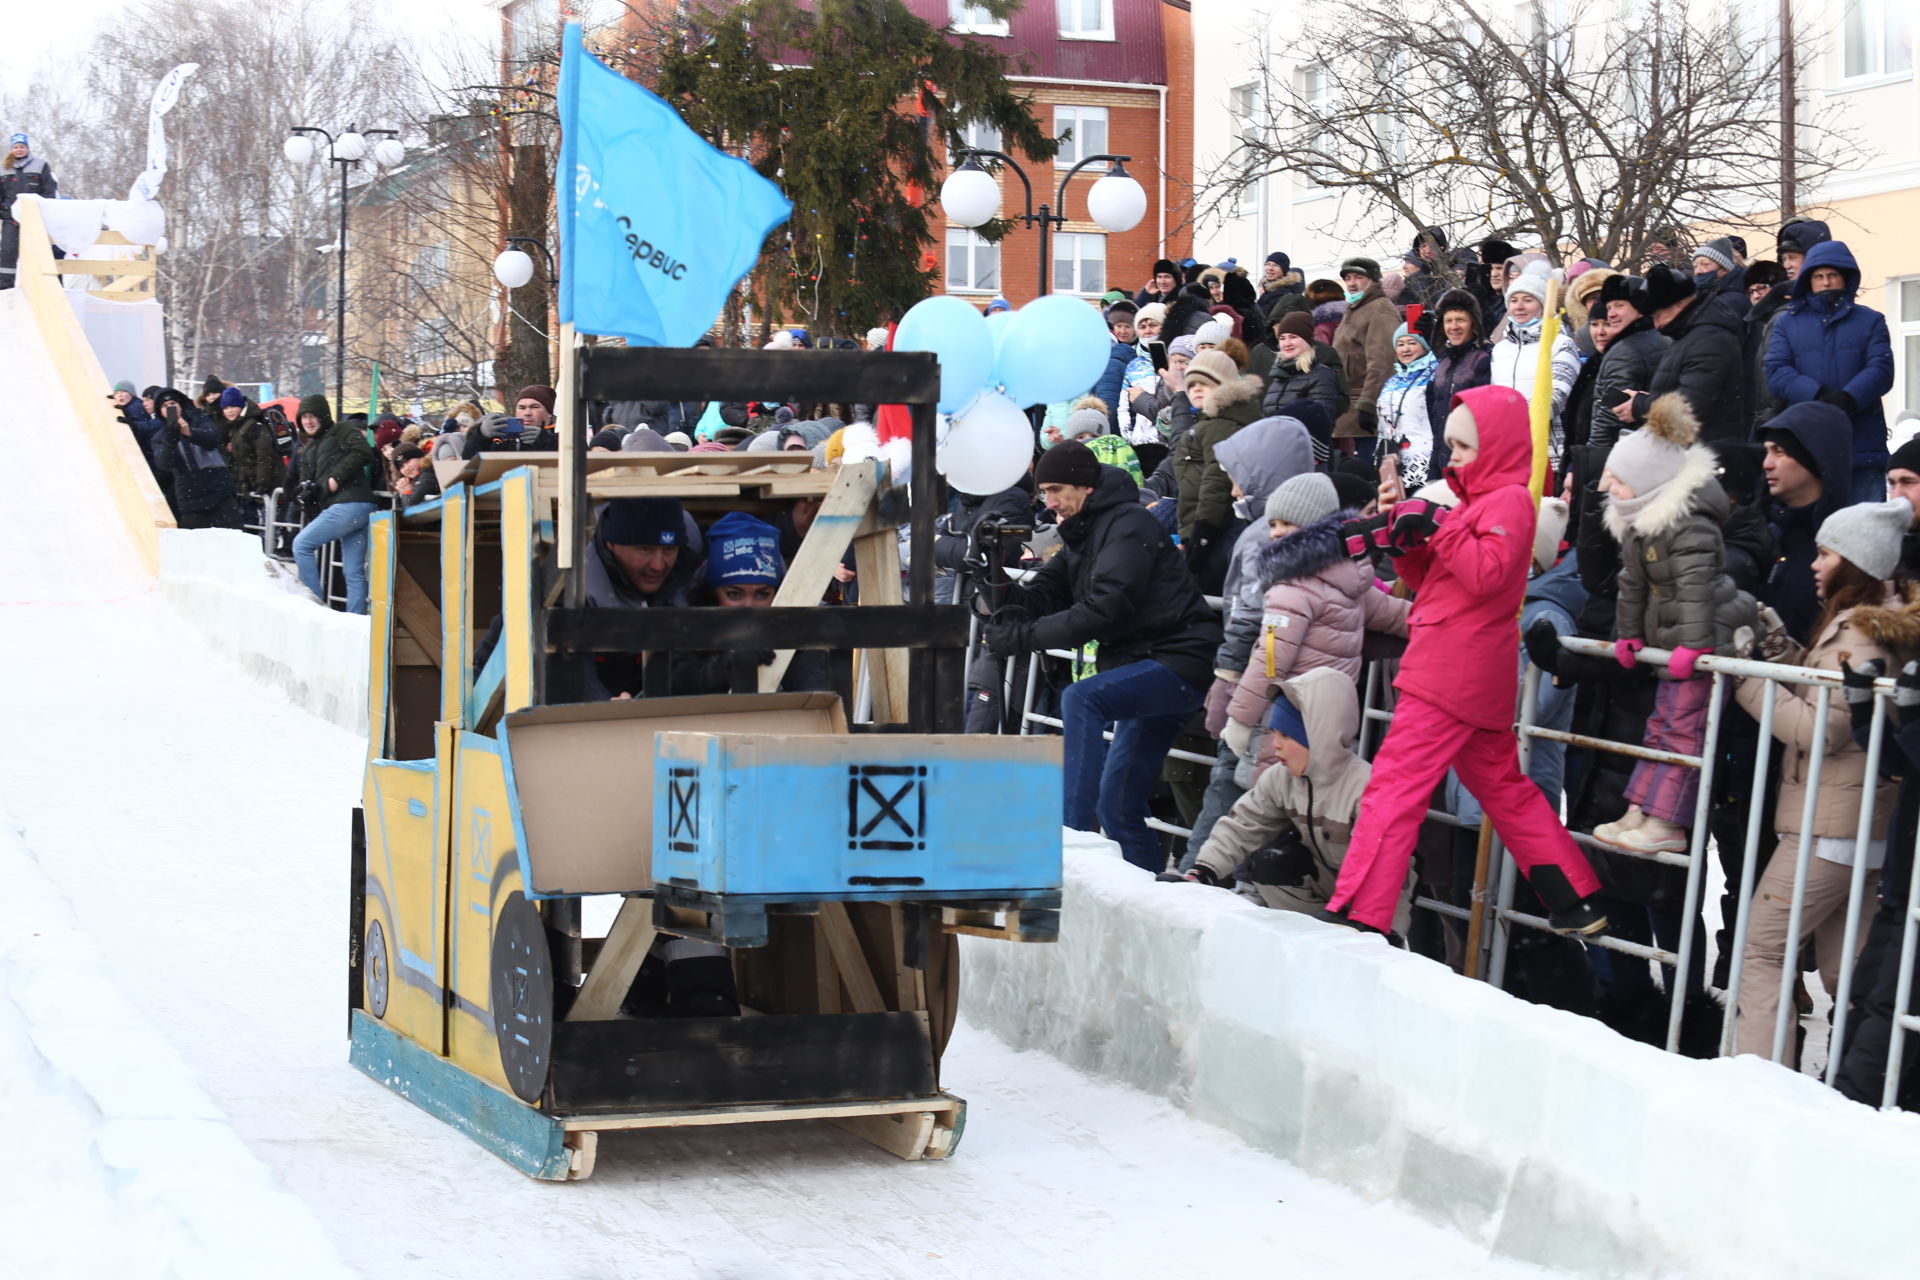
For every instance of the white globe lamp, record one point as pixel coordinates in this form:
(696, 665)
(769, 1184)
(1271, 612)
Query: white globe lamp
(513, 268)
(298, 148)
(1116, 201)
(388, 153)
(970, 197)
(349, 146)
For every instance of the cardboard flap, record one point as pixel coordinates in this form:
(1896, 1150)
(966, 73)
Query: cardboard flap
(582, 776)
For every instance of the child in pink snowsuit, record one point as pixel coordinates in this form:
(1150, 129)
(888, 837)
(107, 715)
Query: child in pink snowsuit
(1459, 680)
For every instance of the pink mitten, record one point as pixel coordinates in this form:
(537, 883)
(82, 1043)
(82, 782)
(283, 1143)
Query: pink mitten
(1680, 665)
(1625, 649)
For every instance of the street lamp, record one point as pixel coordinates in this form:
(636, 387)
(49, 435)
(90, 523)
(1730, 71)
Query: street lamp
(513, 268)
(347, 150)
(970, 197)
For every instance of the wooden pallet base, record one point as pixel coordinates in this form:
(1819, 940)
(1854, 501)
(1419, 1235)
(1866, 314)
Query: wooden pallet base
(560, 1148)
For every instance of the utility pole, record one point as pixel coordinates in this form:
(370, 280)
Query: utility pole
(1789, 146)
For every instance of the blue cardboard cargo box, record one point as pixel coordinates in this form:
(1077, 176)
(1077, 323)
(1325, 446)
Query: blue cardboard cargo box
(888, 815)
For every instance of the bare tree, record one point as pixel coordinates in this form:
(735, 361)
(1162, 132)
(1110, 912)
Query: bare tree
(244, 289)
(1586, 131)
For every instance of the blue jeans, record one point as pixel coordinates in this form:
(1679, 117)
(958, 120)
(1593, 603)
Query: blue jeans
(345, 523)
(1107, 785)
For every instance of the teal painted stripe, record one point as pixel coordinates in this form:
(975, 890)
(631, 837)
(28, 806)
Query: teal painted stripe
(531, 1142)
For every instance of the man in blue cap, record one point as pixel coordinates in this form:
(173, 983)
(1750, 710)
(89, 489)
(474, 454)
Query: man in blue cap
(21, 174)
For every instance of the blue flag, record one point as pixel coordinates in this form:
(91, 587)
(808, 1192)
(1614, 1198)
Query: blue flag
(656, 225)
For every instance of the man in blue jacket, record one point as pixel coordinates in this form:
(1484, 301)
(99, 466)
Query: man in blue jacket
(1112, 383)
(1829, 348)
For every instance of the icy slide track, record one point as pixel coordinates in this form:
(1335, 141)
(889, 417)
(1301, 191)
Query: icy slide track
(179, 761)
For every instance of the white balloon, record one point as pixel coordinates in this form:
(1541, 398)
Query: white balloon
(987, 447)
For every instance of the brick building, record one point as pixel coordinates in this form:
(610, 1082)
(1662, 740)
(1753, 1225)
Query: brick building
(1119, 74)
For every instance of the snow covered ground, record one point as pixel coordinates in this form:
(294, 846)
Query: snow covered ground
(197, 822)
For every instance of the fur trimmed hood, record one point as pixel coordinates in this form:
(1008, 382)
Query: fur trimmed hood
(1694, 489)
(1227, 395)
(1894, 625)
(1307, 551)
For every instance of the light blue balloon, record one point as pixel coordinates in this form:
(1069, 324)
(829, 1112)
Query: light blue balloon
(958, 337)
(997, 325)
(1055, 349)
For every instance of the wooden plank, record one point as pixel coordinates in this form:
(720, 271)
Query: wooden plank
(701, 1117)
(628, 1064)
(408, 652)
(877, 564)
(103, 267)
(904, 1134)
(417, 613)
(683, 373)
(620, 958)
(846, 507)
(851, 962)
(573, 446)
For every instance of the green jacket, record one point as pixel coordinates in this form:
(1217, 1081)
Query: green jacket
(1206, 492)
(340, 454)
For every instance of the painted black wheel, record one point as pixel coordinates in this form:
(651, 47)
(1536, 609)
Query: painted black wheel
(522, 996)
(374, 970)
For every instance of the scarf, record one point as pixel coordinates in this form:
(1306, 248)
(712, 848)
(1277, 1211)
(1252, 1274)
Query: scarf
(1630, 508)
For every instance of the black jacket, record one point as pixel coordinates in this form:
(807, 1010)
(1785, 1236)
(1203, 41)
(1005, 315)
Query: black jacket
(1826, 434)
(1762, 404)
(1012, 505)
(1707, 365)
(1118, 579)
(1629, 363)
(202, 480)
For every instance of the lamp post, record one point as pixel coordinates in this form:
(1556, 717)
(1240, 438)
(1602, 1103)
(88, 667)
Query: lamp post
(514, 268)
(347, 151)
(970, 197)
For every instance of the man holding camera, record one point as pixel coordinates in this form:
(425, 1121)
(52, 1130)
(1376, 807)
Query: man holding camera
(1119, 581)
(337, 496)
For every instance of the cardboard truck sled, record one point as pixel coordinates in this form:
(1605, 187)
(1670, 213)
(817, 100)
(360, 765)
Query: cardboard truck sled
(835, 864)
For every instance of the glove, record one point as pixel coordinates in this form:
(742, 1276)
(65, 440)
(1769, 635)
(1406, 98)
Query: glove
(1906, 691)
(1413, 521)
(1287, 861)
(1680, 664)
(1841, 401)
(1237, 736)
(1366, 537)
(1369, 421)
(1625, 649)
(1856, 686)
(1009, 632)
(1195, 545)
(1543, 646)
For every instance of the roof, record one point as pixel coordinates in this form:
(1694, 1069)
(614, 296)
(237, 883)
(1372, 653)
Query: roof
(1136, 54)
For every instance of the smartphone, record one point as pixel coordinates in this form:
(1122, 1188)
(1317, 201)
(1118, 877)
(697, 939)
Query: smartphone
(512, 427)
(1157, 352)
(1618, 397)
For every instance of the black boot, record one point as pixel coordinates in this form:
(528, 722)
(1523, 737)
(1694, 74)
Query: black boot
(1567, 911)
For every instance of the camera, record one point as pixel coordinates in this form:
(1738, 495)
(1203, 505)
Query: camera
(991, 539)
(310, 493)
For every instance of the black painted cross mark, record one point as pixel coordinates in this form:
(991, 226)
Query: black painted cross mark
(899, 800)
(683, 809)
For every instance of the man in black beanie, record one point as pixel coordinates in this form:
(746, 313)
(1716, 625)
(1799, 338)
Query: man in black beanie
(1706, 363)
(1903, 481)
(1117, 580)
(642, 555)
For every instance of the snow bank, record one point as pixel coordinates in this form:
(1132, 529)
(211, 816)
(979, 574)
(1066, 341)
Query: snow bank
(123, 1167)
(1540, 1134)
(248, 609)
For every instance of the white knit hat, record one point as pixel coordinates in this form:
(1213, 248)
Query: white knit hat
(1212, 333)
(1153, 311)
(1868, 535)
(1532, 281)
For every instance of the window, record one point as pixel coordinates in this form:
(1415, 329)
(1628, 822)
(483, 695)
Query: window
(1316, 85)
(981, 136)
(1088, 125)
(1085, 19)
(430, 266)
(973, 265)
(1243, 104)
(974, 19)
(1080, 263)
(1878, 40)
(1908, 338)
(533, 27)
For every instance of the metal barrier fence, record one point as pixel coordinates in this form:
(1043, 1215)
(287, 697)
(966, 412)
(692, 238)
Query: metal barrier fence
(1502, 917)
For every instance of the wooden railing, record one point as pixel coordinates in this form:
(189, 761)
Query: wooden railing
(123, 468)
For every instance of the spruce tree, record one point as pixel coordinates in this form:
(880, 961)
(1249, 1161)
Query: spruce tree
(851, 107)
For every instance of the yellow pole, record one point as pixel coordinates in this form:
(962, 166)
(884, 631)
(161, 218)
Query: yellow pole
(1540, 407)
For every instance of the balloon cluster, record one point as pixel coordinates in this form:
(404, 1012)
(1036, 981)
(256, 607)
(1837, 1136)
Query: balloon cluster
(992, 368)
